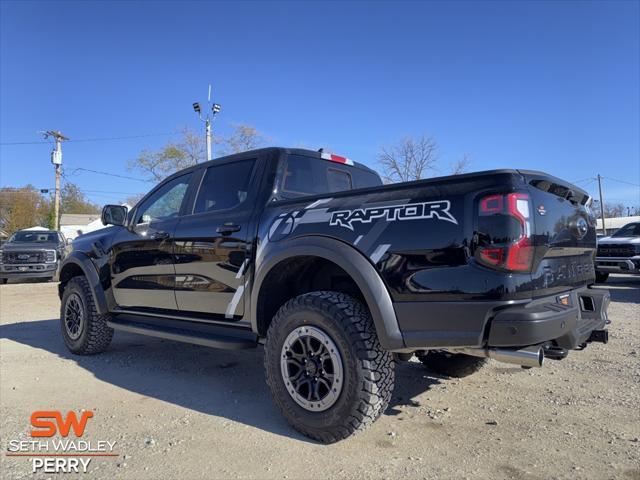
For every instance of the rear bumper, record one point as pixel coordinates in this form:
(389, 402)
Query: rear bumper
(432, 325)
(618, 264)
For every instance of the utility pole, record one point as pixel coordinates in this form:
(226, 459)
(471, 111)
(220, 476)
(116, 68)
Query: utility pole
(56, 160)
(214, 109)
(604, 229)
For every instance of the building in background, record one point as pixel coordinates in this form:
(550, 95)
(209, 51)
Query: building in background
(74, 224)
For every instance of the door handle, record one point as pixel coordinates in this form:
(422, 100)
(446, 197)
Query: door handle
(160, 236)
(228, 228)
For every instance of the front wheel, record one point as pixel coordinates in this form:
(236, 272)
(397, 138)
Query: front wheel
(84, 330)
(601, 277)
(325, 367)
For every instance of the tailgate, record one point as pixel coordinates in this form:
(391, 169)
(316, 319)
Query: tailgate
(564, 235)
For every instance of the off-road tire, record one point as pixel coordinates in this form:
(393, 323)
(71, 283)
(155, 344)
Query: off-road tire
(4, 281)
(452, 365)
(95, 335)
(601, 277)
(368, 370)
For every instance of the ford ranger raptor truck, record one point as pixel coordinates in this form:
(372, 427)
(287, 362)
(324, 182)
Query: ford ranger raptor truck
(619, 253)
(338, 275)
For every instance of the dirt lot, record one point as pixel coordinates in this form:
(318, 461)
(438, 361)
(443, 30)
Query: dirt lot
(182, 411)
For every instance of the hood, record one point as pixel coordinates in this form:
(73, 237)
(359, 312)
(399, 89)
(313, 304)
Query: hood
(94, 235)
(28, 246)
(85, 242)
(617, 240)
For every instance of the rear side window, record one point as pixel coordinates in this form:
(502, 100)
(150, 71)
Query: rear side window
(224, 186)
(313, 176)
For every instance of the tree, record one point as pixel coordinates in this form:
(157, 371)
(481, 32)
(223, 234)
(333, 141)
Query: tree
(410, 159)
(244, 138)
(611, 210)
(191, 149)
(174, 156)
(23, 208)
(461, 165)
(133, 200)
(72, 200)
(415, 159)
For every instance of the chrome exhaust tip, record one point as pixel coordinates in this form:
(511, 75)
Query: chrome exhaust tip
(525, 357)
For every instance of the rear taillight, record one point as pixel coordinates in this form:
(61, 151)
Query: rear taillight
(499, 249)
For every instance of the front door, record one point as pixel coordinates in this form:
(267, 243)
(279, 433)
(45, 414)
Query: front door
(211, 245)
(142, 262)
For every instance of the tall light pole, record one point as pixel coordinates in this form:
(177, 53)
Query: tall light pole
(212, 110)
(56, 160)
(604, 229)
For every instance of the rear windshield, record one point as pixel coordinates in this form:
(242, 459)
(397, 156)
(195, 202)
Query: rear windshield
(34, 237)
(631, 230)
(313, 176)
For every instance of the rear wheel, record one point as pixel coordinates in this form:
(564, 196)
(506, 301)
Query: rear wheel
(325, 367)
(85, 332)
(452, 364)
(4, 281)
(601, 277)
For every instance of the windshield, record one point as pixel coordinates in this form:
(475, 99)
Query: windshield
(34, 237)
(631, 230)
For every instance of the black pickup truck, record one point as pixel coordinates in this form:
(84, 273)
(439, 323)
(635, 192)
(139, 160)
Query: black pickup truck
(339, 276)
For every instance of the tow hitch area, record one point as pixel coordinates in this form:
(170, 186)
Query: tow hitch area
(600, 336)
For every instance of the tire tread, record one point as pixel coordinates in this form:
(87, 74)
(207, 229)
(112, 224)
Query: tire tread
(376, 389)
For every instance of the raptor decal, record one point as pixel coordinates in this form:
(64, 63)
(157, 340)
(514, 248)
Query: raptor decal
(411, 211)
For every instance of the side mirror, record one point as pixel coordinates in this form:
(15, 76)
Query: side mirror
(114, 215)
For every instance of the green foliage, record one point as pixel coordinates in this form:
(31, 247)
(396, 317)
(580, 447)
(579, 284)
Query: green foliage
(23, 208)
(191, 149)
(72, 200)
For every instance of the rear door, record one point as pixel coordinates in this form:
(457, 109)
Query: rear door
(564, 235)
(142, 267)
(212, 242)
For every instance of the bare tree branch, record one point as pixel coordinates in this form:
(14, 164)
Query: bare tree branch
(191, 149)
(410, 159)
(244, 138)
(461, 165)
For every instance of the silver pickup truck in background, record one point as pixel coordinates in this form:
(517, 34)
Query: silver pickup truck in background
(619, 253)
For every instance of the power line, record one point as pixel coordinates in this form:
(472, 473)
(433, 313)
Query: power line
(97, 139)
(582, 180)
(622, 181)
(108, 174)
(588, 183)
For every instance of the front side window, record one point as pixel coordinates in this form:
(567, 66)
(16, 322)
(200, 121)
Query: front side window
(166, 202)
(224, 186)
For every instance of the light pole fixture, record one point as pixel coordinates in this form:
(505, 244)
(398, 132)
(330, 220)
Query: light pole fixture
(215, 108)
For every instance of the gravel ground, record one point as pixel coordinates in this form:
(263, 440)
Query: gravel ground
(183, 411)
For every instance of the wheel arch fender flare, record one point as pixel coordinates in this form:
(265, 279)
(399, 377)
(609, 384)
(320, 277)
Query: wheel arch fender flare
(357, 266)
(79, 260)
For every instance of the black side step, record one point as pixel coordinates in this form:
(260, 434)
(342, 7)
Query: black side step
(226, 338)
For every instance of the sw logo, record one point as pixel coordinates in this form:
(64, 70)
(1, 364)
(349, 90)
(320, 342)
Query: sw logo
(51, 451)
(45, 427)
